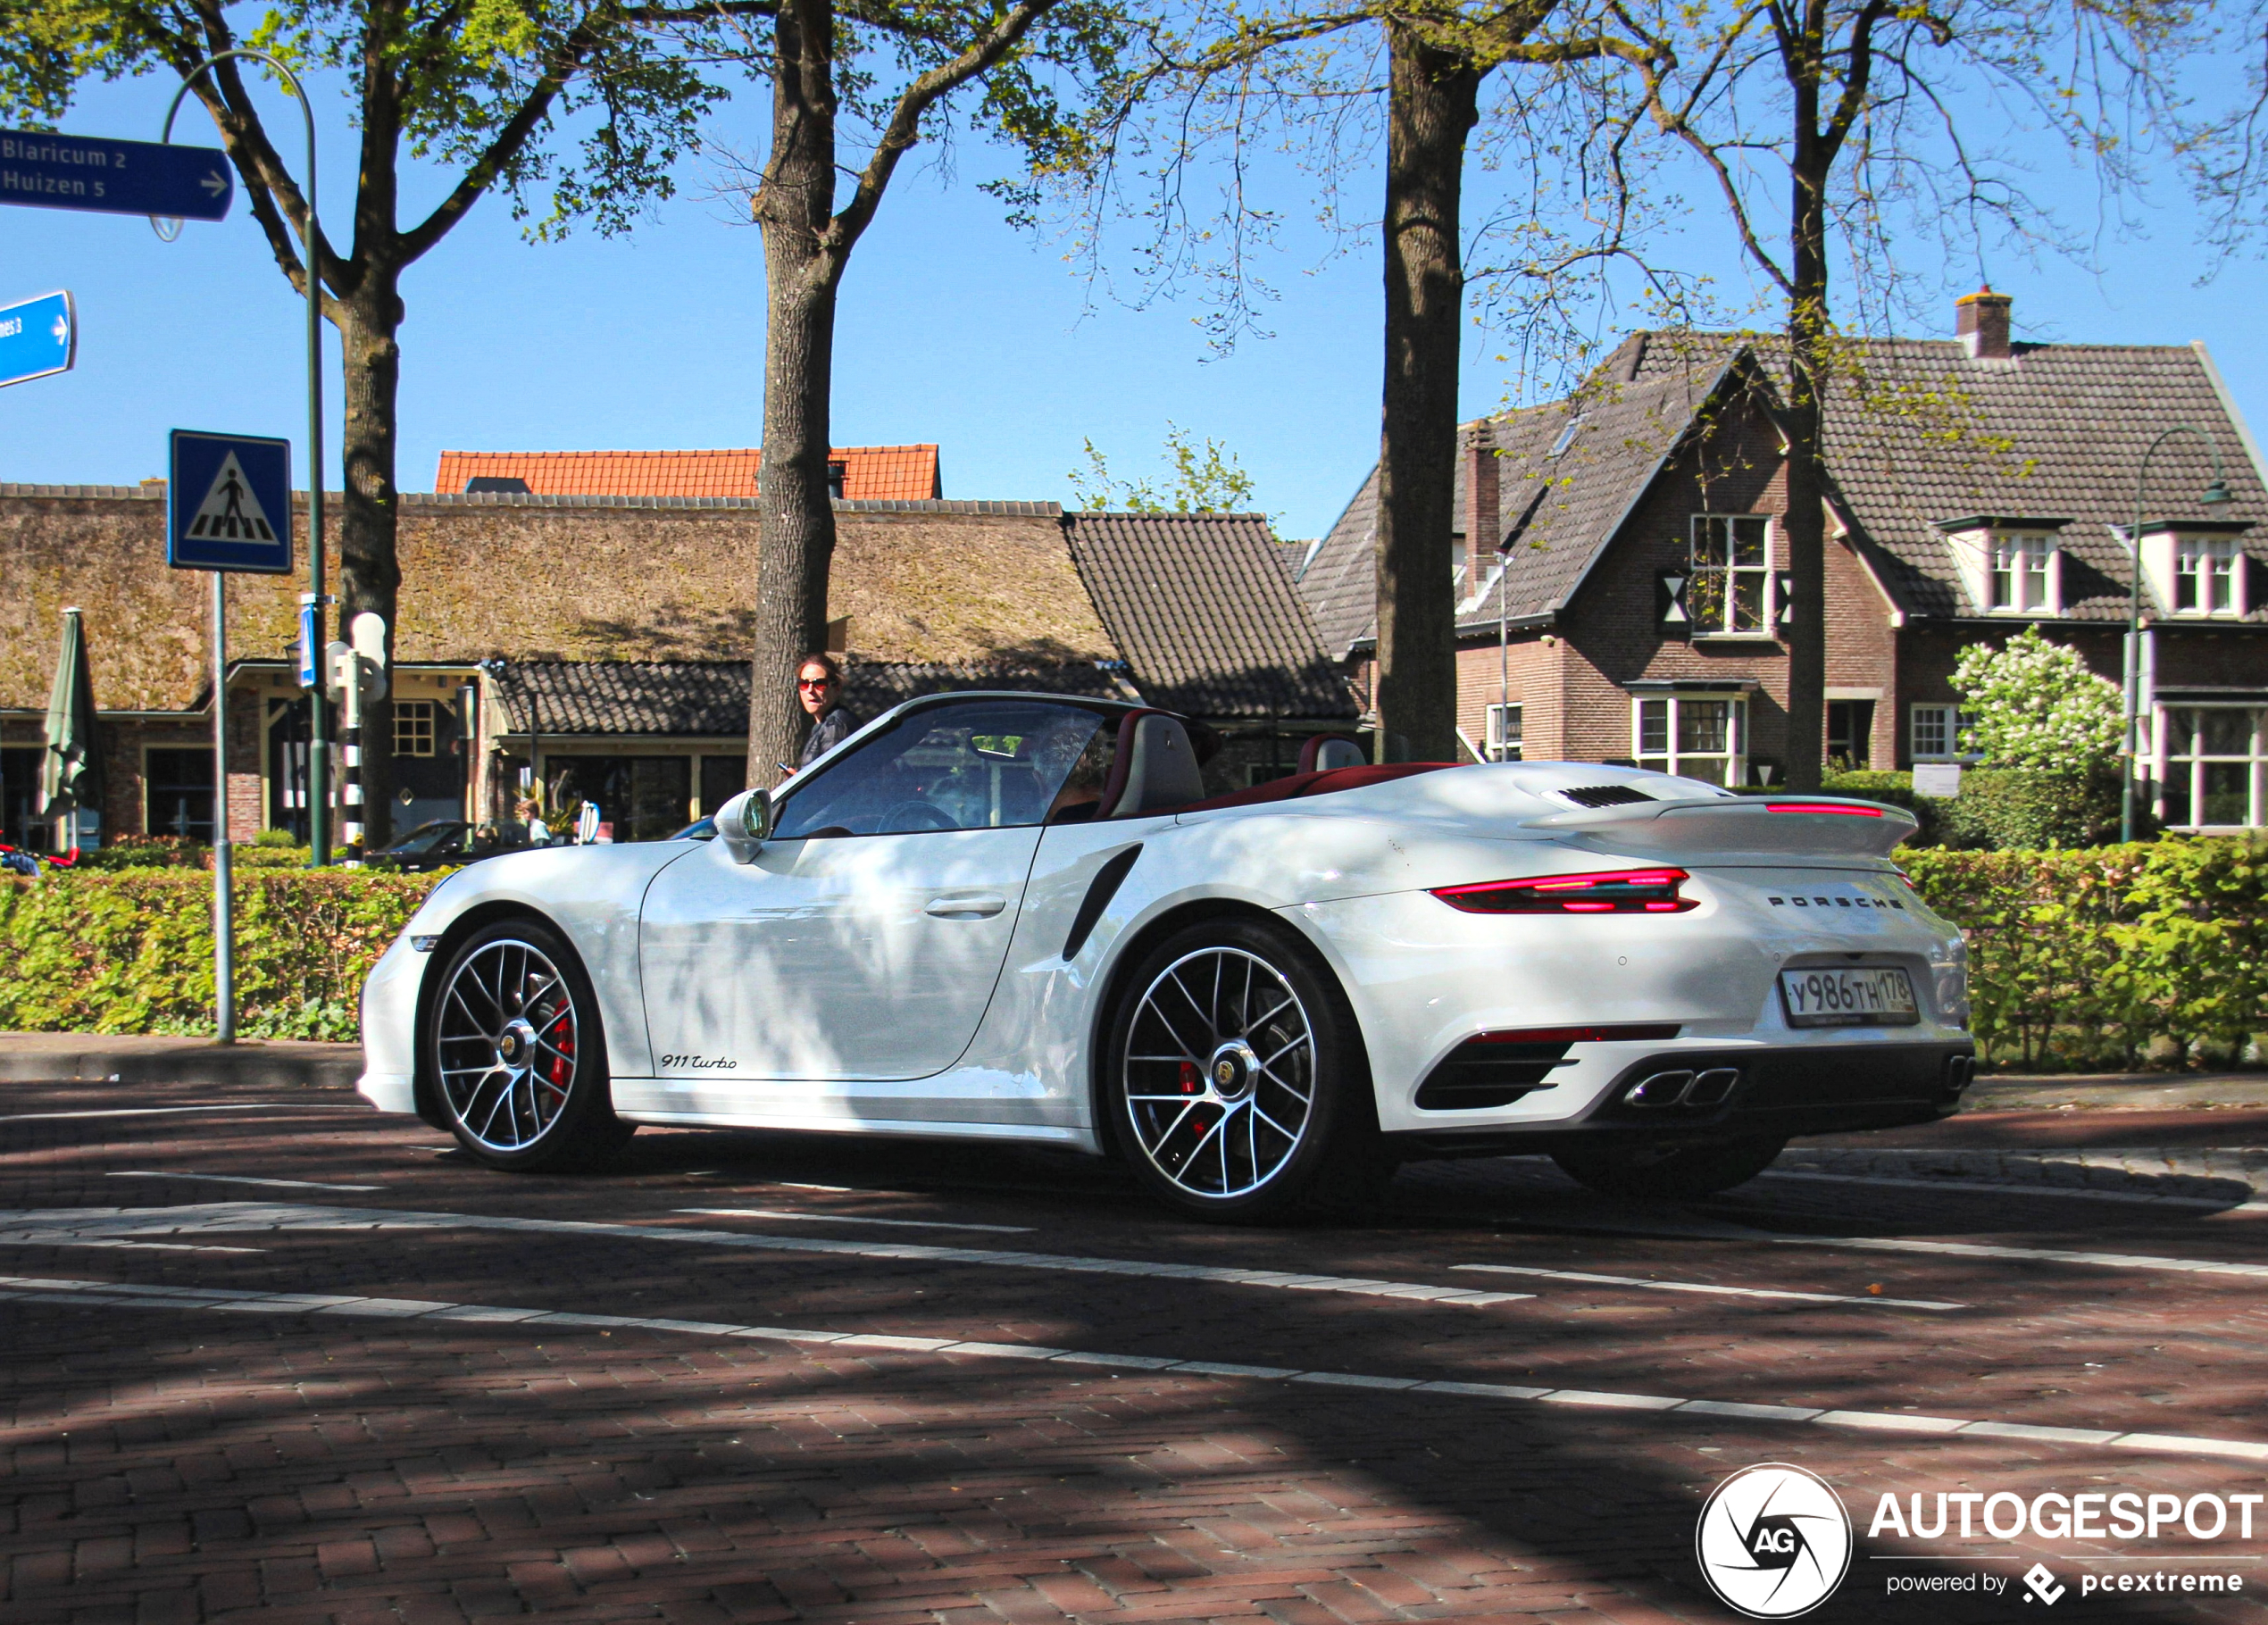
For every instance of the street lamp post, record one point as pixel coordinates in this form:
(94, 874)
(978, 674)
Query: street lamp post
(2216, 495)
(318, 744)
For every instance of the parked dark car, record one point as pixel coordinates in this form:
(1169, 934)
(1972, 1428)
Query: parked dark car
(446, 842)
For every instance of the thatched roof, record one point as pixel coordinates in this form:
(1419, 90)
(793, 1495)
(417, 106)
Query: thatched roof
(534, 578)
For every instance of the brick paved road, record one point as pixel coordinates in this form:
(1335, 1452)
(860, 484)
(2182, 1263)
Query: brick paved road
(293, 1360)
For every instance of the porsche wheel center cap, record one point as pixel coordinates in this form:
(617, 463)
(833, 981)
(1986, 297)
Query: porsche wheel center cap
(516, 1044)
(1234, 1070)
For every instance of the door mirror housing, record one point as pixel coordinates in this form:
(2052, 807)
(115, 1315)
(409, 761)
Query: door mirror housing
(743, 823)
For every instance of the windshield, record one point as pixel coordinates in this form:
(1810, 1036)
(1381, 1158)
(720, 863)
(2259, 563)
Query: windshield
(984, 765)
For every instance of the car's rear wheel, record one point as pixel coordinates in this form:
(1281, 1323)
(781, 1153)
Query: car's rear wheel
(1669, 1172)
(1236, 1077)
(517, 1054)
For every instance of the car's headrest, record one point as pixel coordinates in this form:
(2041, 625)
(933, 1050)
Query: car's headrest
(1155, 768)
(1325, 751)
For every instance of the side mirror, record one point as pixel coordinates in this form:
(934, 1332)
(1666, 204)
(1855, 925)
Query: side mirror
(743, 823)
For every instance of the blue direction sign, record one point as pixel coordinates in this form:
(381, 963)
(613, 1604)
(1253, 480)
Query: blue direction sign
(114, 176)
(227, 502)
(38, 336)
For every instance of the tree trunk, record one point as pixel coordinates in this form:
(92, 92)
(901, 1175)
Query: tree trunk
(1809, 365)
(370, 572)
(795, 208)
(1433, 103)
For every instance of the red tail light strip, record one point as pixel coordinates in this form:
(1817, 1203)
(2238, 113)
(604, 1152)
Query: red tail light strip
(1639, 1032)
(1822, 806)
(1620, 891)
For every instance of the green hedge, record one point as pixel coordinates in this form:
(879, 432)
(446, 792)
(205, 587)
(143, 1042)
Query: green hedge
(1998, 810)
(2111, 958)
(130, 951)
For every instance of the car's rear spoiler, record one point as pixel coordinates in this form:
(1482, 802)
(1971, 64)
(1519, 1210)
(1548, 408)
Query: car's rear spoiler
(1788, 824)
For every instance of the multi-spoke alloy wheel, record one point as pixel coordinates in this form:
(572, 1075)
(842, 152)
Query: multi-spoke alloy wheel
(1235, 1077)
(507, 1042)
(515, 1052)
(1219, 1072)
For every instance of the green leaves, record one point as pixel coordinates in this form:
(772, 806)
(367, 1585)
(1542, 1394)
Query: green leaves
(2112, 957)
(1211, 481)
(132, 951)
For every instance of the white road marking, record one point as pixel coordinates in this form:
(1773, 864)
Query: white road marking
(895, 1224)
(1998, 1189)
(1969, 1249)
(238, 1178)
(34, 1238)
(134, 1295)
(232, 1217)
(1632, 1281)
(42, 1117)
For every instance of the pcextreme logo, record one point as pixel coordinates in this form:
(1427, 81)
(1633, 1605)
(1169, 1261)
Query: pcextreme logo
(1774, 1541)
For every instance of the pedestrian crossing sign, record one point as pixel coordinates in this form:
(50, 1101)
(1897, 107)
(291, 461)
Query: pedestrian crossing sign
(228, 502)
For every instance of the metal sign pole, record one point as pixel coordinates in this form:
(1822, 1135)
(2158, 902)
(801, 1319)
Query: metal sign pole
(319, 746)
(224, 947)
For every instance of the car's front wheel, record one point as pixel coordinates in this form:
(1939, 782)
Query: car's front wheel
(1671, 1173)
(517, 1054)
(1236, 1076)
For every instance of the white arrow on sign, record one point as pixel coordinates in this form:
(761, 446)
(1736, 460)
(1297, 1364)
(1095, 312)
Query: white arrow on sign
(214, 184)
(62, 329)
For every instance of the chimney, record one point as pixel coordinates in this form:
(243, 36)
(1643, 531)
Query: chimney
(1483, 521)
(1981, 322)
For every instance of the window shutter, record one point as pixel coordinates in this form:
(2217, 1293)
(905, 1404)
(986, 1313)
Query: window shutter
(1784, 597)
(1669, 600)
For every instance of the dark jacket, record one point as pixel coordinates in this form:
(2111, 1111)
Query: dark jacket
(831, 730)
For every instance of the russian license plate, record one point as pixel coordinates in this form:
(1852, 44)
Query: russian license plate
(1858, 995)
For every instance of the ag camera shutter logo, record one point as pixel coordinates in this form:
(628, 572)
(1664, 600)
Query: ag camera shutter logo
(1774, 1541)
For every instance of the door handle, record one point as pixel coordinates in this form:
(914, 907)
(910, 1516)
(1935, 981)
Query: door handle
(966, 907)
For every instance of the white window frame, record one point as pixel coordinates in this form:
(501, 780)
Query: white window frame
(2164, 765)
(423, 718)
(1670, 758)
(1956, 719)
(1697, 571)
(1505, 744)
(2219, 555)
(2023, 574)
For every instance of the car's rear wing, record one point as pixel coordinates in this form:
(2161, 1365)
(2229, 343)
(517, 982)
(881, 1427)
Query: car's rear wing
(1786, 825)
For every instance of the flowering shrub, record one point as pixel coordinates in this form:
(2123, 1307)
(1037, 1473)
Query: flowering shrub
(2038, 706)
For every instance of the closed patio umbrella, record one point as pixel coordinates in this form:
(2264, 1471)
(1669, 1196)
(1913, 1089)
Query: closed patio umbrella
(70, 769)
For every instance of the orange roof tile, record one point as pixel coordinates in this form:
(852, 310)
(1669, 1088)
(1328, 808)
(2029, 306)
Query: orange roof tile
(878, 473)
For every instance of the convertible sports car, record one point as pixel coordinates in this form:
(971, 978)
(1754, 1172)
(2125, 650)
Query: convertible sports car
(1020, 917)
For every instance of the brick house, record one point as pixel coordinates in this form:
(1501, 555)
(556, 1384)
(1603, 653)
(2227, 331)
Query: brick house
(1622, 578)
(597, 642)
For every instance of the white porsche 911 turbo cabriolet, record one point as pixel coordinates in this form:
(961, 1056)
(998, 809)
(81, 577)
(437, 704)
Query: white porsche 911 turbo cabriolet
(1020, 917)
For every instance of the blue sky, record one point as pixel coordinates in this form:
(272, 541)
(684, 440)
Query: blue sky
(953, 329)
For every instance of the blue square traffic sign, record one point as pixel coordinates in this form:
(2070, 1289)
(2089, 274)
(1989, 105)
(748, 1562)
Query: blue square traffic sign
(227, 500)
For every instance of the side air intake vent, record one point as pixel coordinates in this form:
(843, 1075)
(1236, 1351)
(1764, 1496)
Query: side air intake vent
(1478, 1074)
(1605, 796)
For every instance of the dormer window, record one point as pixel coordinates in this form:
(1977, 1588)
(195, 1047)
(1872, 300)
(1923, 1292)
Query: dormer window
(2204, 576)
(2020, 574)
(1731, 590)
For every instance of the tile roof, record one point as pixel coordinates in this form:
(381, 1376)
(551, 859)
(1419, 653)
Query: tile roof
(1918, 433)
(1559, 510)
(872, 473)
(710, 697)
(1206, 613)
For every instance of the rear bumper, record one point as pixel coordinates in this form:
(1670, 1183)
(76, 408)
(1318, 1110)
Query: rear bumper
(1781, 1092)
